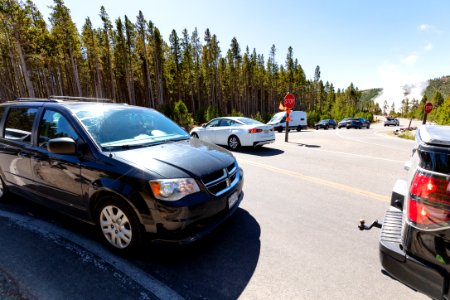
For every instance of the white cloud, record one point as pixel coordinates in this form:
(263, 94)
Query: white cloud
(428, 47)
(410, 59)
(425, 27)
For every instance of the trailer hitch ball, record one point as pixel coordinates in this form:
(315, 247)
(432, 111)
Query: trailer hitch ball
(362, 225)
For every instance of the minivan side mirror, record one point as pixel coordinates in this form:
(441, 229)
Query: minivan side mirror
(63, 145)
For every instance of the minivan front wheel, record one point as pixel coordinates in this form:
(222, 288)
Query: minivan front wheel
(118, 225)
(233, 142)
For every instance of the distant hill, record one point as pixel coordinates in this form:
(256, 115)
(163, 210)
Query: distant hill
(438, 84)
(370, 94)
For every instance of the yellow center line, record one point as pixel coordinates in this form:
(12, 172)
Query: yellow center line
(320, 181)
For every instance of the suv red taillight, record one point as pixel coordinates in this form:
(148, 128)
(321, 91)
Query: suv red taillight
(429, 201)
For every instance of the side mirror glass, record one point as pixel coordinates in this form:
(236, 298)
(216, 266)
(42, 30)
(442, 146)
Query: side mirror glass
(64, 145)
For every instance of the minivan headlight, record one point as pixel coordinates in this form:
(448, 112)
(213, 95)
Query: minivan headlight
(173, 189)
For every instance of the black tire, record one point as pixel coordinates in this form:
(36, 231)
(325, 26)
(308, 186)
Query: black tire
(3, 190)
(194, 135)
(233, 142)
(317, 127)
(326, 127)
(334, 127)
(280, 129)
(368, 126)
(299, 128)
(118, 225)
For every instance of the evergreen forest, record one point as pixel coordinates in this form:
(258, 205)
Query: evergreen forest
(191, 77)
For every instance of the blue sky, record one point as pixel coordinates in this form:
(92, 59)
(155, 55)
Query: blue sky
(371, 44)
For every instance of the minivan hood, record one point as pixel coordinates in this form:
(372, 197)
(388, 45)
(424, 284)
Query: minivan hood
(187, 158)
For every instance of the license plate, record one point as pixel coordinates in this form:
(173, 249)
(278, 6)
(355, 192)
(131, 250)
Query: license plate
(266, 131)
(233, 199)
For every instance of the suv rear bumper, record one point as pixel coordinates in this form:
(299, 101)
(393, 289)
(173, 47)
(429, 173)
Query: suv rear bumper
(419, 276)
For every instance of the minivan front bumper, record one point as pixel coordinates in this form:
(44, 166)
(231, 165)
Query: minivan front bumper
(418, 275)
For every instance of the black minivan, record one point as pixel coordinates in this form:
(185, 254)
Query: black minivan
(128, 170)
(415, 233)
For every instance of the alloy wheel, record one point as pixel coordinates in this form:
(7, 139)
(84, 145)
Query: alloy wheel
(233, 142)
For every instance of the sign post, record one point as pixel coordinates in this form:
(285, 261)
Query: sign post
(427, 109)
(289, 101)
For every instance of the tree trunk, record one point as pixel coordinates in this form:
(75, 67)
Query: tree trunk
(23, 65)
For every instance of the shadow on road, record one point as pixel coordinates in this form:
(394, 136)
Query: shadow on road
(217, 267)
(306, 145)
(261, 151)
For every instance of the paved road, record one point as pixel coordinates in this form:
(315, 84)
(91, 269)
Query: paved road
(294, 237)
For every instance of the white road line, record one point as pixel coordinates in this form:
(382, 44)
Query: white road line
(365, 142)
(145, 280)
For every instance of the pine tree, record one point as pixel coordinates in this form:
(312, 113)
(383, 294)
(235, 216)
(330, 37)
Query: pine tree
(67, 42)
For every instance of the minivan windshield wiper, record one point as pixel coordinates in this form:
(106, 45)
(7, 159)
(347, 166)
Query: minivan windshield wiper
(129, 144)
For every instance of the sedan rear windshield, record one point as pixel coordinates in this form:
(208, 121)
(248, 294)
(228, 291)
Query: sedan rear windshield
(248, 121)
(128, 126)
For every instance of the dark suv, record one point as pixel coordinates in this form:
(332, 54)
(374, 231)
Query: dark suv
(415, 234)
(128, 170)
(325, 124)
(350, 123)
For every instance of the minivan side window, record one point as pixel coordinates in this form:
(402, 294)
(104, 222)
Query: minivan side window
(54, 125)
(19, 124)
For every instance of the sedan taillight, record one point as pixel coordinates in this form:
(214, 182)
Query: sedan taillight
(429, 201)
(255, 130)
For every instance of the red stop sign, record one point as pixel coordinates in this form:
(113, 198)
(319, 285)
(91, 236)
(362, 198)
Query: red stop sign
(428, 107)
(289, 101)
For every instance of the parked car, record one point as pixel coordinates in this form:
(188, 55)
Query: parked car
(235, 132)
(325, 124)
(415, 233)
(350, 123)
(298, 121)
(391, 122)
(364, 122)
(127, 170)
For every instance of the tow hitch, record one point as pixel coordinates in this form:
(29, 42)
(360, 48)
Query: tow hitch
(362, 225)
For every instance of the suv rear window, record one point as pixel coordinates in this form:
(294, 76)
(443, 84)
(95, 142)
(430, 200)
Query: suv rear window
(19, 124)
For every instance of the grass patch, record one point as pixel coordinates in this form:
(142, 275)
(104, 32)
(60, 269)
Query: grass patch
(408, 135)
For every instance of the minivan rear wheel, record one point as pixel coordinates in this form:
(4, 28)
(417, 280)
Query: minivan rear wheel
(118, 225)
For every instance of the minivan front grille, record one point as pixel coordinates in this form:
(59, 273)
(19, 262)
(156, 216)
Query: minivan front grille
(221, 181)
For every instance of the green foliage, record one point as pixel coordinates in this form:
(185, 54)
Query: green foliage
(365, 115)
(235, 113)
(211, 113)
(182, 116)
(313, 117)
(441, 85)
(258, 117)
(443, 114)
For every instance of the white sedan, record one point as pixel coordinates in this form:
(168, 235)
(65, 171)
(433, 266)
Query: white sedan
(235, 132)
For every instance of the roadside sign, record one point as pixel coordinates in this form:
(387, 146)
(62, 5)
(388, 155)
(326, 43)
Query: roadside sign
(289, 100)
(428, 107)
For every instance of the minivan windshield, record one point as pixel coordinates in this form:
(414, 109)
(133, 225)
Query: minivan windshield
(128, 126)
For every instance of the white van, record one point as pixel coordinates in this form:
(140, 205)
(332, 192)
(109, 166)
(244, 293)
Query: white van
(298, 121)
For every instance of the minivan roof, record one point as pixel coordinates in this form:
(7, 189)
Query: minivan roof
(435, 135)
